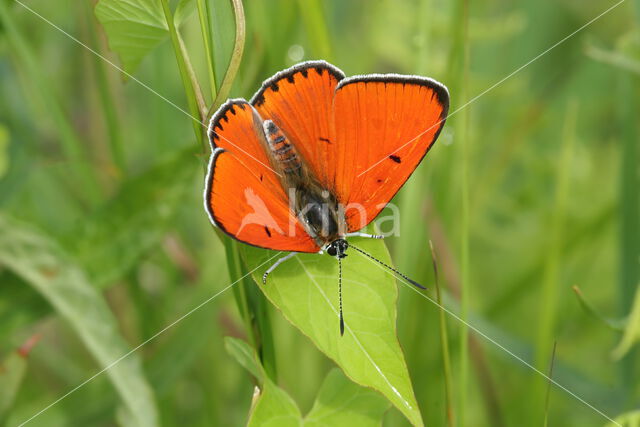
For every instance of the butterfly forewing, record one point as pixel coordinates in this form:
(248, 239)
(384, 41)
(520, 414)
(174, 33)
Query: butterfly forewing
(383, 126)
(243, 195)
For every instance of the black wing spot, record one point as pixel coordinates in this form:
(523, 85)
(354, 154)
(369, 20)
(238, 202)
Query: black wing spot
(266, 229)
(261, 176)
(327, 140)
(225, 118)
(274, 86)
(395, 158)
(215, 136)
(219, 125)
(290, 78)
(242, 106)
(232, 110)
(304, 73)
(379, 181)
(319, 70)
(259, 101)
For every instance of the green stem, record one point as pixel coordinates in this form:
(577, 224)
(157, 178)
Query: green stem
(202, 107)
(629, 213)
(205, 29)
(253, 309)
(464, 221)
(236, 57)
(189, 88)
(106, 100)
(444, 342)
(548, 313)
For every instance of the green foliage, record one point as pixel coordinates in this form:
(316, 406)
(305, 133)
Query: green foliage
(101, 186)
(134, 28)
(630, 419)
(36, 259)
(109, 242)
(305, 290)
(339, 402)
(12, 371)
(631, 334)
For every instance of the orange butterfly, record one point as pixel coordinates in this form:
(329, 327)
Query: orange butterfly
(314, 157)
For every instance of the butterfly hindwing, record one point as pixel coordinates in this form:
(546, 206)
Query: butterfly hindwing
(383, 126)
(243, 194)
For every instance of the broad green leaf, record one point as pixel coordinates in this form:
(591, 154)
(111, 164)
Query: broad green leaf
(274, 408)
(245, 356)
(305, 290)
(135, 27)
(631, 333)
(340, 402)
(110, 242)
(32, 255)
(12, 372)
(630, 419)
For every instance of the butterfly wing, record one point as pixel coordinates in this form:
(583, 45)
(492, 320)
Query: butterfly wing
(299, 101)
(384, 125)
(243, 195)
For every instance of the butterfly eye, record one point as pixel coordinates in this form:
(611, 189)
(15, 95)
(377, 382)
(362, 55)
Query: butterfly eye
(331, 250)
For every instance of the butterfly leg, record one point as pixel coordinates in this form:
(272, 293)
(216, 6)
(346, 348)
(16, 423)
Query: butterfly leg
(370, 236)
(275, 264)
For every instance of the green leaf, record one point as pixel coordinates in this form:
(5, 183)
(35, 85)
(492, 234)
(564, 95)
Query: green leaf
(630, 419)
(135, 27)
(305, 290)
(340, 402)
(12, 372)
(110, 242)
(40, 262)
(631, 333)
(184, 9)
(245, 356)
(274, 408)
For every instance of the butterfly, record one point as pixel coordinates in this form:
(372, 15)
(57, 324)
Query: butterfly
(315, 156)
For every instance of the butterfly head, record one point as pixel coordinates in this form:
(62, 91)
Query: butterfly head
(338, 248)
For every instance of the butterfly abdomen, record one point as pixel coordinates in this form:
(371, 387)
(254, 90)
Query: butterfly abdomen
(283, 152)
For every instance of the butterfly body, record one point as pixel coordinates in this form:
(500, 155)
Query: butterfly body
(316, 207)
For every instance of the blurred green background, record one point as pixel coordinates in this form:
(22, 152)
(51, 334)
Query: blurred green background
(531, 189)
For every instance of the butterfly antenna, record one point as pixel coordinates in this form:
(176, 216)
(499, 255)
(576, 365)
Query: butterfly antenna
(340, 295)
(413, 282)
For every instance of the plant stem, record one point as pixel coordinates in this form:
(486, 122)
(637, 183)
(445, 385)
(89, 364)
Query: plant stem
(236, 57)
(253, 309)
(205, 29)
(629, 214)
(202, 107)
(444, 342)
(549, 296)
(189, 88)
(465, 275)
(106, 99)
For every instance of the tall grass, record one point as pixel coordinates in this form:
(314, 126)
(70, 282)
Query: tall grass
(529, 190)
